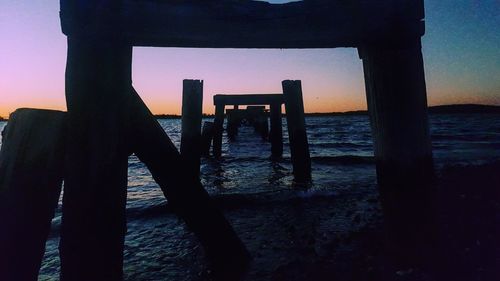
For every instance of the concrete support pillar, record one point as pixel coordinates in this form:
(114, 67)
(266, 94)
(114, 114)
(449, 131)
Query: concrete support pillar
(98, 78)
(192, 100)
(397, 104)
(218, 125)
(276, 133)
(299, 147)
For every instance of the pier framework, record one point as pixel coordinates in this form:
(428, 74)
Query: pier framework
(294, 106)
(107, 120)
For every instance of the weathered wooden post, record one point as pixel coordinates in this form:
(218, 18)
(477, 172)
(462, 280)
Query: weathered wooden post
(397, 104)
(218, 125)
(207, 134)
(192, 100)
(31, 173)
(299, 147)
(276, 133)
(233, 122)
(262, 126)
(98, 78)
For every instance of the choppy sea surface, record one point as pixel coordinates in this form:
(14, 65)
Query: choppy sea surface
(342, 163)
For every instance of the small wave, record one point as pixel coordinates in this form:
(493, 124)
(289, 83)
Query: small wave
(238, 201)
(465, 137)
(231, 159)
(341, 145)
(344, 159)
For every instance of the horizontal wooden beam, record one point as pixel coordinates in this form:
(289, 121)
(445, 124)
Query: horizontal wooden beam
(244, 24)
(252, 99)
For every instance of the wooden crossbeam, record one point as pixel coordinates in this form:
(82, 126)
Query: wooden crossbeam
(251, 99)
(244, 24)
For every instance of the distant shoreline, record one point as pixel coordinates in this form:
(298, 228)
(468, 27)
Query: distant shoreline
(438, 109)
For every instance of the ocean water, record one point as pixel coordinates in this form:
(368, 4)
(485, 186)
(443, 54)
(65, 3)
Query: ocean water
(342, 164)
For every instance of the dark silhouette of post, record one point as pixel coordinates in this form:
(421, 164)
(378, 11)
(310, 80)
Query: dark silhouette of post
(233, 123)
(260, 123)
(299, 147)
(98, 78)
(397, 104)
(192, 101)
(218, 129)
(276, 133)
(207, 134)
(184, 192)
(31, 173)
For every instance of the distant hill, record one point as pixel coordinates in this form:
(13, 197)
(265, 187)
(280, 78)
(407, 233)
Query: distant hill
(175, 116)
(464, 108)
(356, 112)
(439, 109)
(167, 116)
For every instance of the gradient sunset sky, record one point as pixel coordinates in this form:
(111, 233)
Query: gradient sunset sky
(461, 52)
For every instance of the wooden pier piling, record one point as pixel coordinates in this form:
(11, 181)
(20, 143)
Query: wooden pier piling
(299, 147)
(98, 78)
(233, 123)
(192, 100)
(276, 133)
(31, 174)
(397, 105)
(218, 130)
(207, 135)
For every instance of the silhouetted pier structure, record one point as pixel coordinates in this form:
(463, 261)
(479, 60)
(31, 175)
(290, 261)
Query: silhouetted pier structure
(107, 120)
(253, 115)
(294, 107)
(192, 100)
(273, 100)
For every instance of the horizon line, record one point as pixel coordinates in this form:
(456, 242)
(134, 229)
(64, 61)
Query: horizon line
(495, 107)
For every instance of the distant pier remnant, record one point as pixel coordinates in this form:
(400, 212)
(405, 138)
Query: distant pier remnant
(294, 106)
(299, 147)
(31, 174)
(220, 101)
(192, 100)
(252, 115)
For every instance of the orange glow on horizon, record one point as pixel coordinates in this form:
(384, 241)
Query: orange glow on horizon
(171, 104)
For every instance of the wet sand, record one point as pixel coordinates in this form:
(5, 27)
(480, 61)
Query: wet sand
(327, 236)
